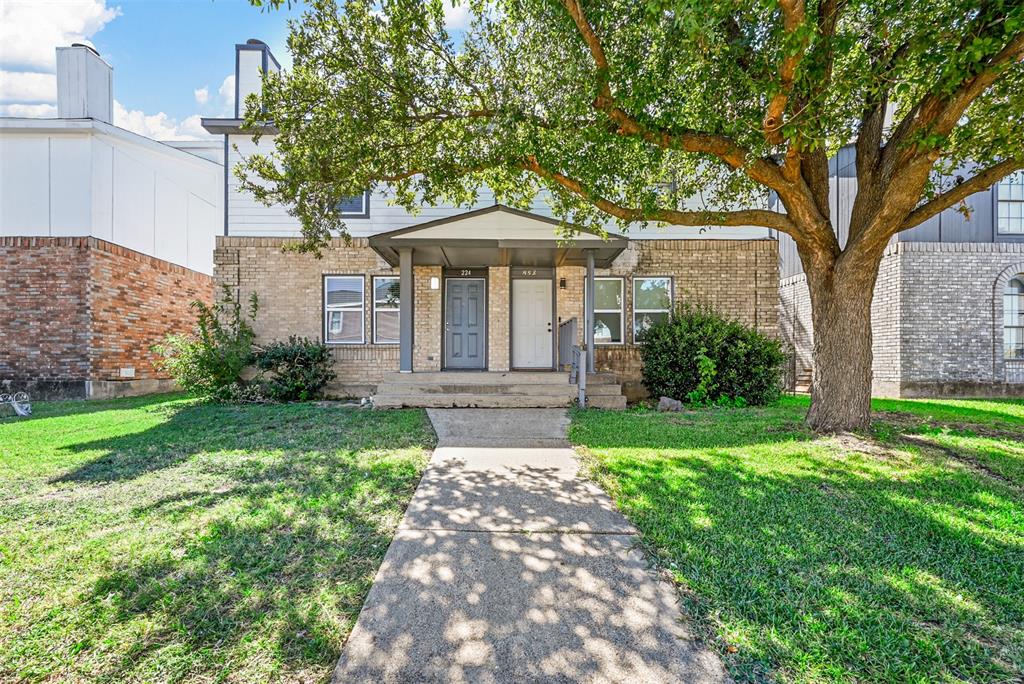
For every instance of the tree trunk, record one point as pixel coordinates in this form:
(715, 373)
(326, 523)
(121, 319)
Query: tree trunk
(841, 296)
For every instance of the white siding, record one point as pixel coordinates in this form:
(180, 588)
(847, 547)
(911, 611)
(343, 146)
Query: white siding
(89, 179)
(247, 217)
(249, 79)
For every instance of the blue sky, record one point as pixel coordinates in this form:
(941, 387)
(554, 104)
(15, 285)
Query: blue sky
(171, 58)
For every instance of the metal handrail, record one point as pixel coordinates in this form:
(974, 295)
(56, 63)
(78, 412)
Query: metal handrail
(574, 356)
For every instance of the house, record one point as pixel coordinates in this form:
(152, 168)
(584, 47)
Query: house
(948, 310)
(105, 238)
(458, 306)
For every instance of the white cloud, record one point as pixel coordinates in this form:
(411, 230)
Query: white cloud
(202, 95)
(227, 92)
(158, 126)
(456, 18)
(24, 86)
(31, 29)
(33, 111)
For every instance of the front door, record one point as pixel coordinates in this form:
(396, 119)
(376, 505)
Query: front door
(532, 345)
(465, 323)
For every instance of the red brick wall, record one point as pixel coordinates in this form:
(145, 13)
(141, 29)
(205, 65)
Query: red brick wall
(79, 309)
(44, 309)
(136, 301)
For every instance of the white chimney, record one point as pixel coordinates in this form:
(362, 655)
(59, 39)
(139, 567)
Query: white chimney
(253, 59)
(85, 84)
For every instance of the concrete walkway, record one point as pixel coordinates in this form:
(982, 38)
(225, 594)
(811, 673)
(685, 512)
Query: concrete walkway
(510, 567)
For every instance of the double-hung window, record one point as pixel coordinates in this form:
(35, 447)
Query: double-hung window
(1010, 198)
(608, 310)
(386, 307)
(652, 303)
(1013, 319)
(343, 310)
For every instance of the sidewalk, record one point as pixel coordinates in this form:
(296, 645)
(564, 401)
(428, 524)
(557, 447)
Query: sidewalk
(510, 567)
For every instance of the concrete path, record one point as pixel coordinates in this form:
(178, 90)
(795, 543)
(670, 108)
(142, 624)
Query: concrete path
(510, 567)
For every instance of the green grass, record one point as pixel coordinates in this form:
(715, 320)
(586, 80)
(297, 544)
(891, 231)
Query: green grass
(892, 556)
(156, 539)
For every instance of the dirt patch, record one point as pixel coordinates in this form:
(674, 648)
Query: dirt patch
(899, 419)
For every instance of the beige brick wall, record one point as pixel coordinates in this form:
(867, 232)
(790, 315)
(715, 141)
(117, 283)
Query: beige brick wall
(498, 303)
(739, 278)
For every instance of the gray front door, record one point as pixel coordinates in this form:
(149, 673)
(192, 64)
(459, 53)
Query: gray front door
(465, 323)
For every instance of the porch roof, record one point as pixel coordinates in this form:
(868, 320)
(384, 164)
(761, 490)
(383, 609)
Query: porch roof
(496, 236)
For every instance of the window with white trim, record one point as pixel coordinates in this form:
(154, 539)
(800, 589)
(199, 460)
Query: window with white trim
(356, 206)
(343, 310)
(608, 310)
(652, 303)
(386, 308)
(1010, 198)
(1013, 319)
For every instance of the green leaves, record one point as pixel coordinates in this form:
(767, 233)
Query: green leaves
(384, 96)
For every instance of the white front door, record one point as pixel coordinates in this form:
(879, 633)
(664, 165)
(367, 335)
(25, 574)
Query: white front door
(531, 324)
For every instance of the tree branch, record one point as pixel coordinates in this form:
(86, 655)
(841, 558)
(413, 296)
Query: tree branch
(793, 12)
(977, 183)
(746, 217)
(722, 147)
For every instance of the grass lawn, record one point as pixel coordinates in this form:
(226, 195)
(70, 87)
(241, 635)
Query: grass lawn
(156, 539)
(896, 555)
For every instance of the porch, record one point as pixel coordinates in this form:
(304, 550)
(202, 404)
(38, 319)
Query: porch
(492, 389)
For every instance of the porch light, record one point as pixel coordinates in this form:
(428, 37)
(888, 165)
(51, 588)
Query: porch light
(561, 283)
(435, 283)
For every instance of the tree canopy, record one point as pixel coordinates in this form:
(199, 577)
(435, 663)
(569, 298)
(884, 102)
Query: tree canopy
(687, 112)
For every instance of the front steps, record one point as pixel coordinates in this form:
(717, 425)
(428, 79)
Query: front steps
(516, 389)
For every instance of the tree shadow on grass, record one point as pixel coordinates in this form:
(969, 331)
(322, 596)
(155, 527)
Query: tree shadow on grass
(838, 569)
(210, 428)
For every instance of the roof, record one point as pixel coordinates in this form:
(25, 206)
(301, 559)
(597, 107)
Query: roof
(498, 236)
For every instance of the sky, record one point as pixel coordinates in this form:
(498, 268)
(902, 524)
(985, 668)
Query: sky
(173, 60)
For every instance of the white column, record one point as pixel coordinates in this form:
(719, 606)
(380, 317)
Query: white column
(588, 315)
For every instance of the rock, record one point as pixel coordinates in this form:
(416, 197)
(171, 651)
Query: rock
(666, 404)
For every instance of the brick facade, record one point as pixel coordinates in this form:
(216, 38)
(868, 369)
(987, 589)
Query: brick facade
(739, 278)
(80, 316)
(936, 320)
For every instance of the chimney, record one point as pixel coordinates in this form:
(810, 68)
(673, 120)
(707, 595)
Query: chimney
(85, 84)
(253, 59)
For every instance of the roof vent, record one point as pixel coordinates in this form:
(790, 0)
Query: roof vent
(88, 47)
(254, 41)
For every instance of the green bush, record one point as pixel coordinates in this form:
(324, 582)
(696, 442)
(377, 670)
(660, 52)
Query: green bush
(296, 370)
(210, 361)
(700, 357)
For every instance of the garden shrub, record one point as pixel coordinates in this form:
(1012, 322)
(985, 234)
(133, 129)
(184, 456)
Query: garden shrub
(210, 361)
(296, 370)
(703, 358)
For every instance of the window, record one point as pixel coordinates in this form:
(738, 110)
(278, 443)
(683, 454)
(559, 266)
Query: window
(608, 313)
(1010, 196)
(386, 305)
(343, 310)
(1013, 319)
(652, 303)
(356, 206)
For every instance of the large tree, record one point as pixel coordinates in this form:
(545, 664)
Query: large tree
(683, 112)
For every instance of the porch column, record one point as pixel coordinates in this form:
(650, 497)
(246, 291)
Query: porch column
(405, 313)
(588, 314)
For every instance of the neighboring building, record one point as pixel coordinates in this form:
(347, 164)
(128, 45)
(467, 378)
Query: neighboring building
(105, 238)
(948, 310)
(489, 289)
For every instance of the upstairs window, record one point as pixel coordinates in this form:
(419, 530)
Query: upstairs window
(1010, 198)
(343, 310)
(386, 309)
(652, 303)
(1013, 319)
(356, 206)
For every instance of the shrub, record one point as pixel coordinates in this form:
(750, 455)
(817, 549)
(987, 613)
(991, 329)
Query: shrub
(210, 361)
(703, 358)
(296, 370)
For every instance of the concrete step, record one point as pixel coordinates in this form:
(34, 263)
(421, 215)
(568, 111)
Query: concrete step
(614, 402)
(469, 401)
(478, 377)
(386, 389)
(601, 379)
(601, 389)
